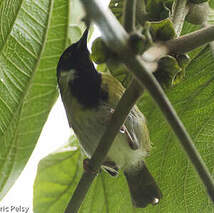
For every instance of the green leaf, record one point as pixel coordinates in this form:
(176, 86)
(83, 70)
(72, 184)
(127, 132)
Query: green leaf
(193, 100)
(162, 30)
(108, 194)
(33, 35)
(158, 9)
(211, 3)
(59, 173)
(57, 176)
(102, 68)
(168, 69)
(211, 17)
(99, 51)
(76, 25)
(116, 6)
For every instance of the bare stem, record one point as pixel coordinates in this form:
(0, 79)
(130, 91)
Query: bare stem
(191, 41)
(205, 25)
(129, 15)
(141, 13)
(110, 28)
(179, 12)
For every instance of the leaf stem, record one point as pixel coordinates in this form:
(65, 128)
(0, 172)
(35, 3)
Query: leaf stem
(129, 15)
(179, 12)
(141, 13)
(205, 25)
(110, 28)
(191, 41)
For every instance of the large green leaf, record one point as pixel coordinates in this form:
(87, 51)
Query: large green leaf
(58, 175)
(182, 190)
(193, 100)
(211, 3)
(33, 35)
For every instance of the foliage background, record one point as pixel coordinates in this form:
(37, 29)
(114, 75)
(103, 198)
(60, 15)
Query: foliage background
(33, 35)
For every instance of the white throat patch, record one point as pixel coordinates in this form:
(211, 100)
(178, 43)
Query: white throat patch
(66, 77)
(69, 75)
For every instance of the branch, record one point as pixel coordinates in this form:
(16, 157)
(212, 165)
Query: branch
(129, 15)
(205, 25)
(179, 12)
(180, 45)
(116, 38)
(128, 100)
(191, 41)
(141, 13)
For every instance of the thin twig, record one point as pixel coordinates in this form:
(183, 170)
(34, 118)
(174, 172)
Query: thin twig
(110, 28)
(129, 15)
(179, 12)
(180, 45)
(191, 41)
(128, 100)
(205, 25)
(141, 13)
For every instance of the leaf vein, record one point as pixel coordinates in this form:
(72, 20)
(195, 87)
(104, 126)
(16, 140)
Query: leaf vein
(32, 17)
(16, 66)
(23, 47)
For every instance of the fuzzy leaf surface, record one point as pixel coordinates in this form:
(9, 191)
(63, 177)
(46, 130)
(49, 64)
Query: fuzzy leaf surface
(33, 35)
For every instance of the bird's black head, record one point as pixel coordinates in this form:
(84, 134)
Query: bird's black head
(74, 55)
(76, 71)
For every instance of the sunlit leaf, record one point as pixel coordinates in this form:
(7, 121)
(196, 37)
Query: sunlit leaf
(32, 38)
(57, 176)
(193, 99)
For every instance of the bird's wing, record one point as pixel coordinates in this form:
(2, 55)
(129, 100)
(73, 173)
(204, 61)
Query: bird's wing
(135, 124)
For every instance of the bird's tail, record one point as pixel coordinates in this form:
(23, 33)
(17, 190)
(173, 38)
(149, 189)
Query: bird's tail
(142, 186)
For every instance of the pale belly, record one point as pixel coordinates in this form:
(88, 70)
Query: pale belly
(89, 128)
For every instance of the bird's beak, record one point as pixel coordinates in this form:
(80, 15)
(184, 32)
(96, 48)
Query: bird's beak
(82, 43)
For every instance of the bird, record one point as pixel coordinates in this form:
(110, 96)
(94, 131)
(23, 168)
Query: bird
(90, 98)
